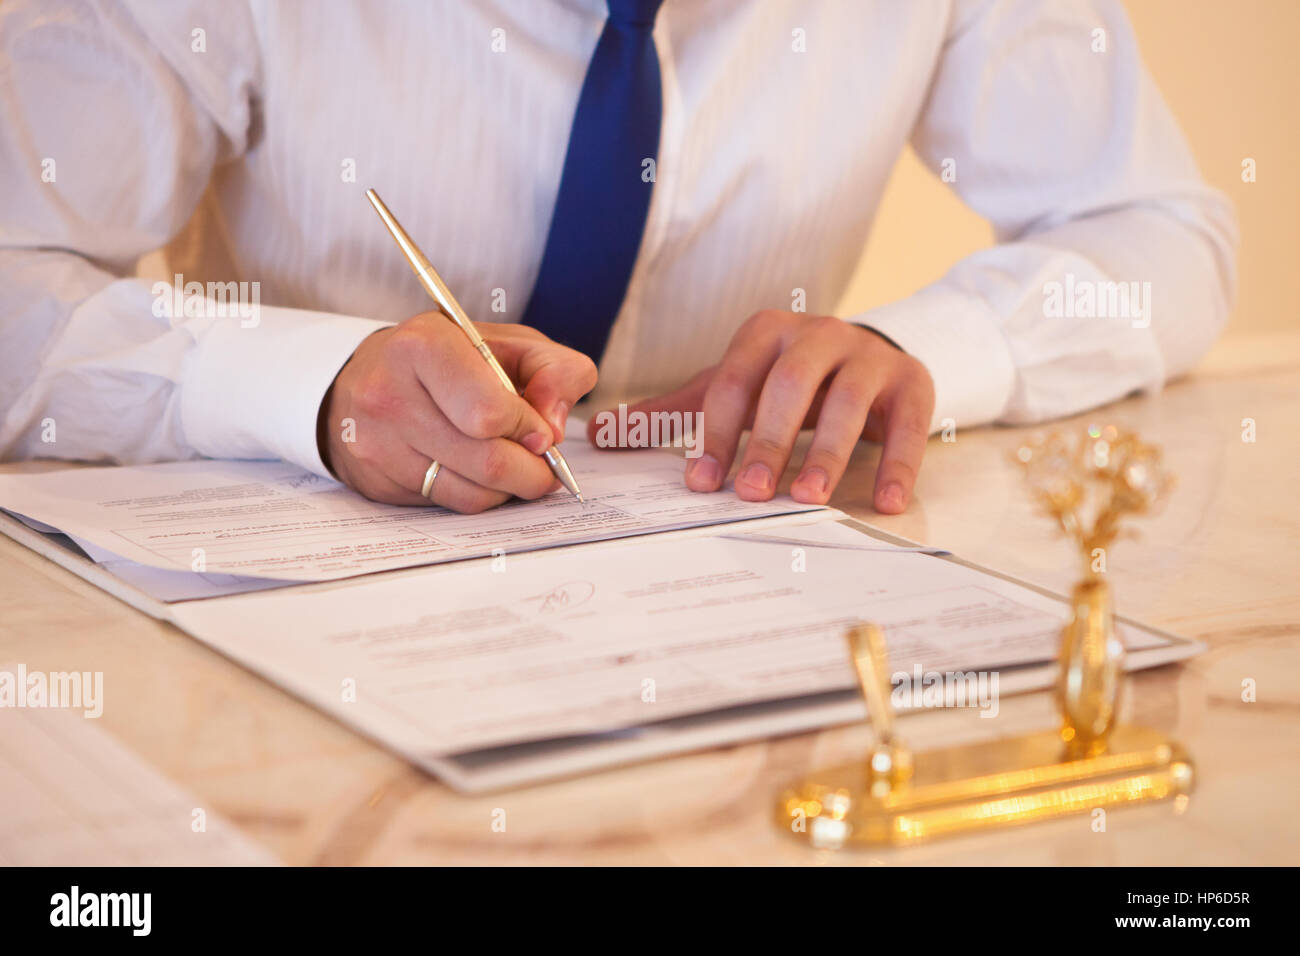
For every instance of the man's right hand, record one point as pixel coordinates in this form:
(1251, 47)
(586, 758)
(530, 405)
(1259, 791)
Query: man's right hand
(419, 391)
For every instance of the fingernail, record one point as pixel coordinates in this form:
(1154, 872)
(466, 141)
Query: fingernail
(891, 497)
(814, 481)
(560, 416)
(706, 471)
(537, 442)
(758, 476)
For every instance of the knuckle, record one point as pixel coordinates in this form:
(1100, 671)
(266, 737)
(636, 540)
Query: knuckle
(791, 375)
(854, 390)
(902, 470)
(476, 502)
(916, 407)
(911, 426)
(495, 465)
(407, 342)
(423, 321)
(925, 411)
(926, 403)
(587, 373)
(915, 374)
(730, 385)
(535, 485)
(826, 325)
(375, 397)
(766, 447)
(832, 460)
(467, 505)
(906, 370)
(487, 418)
(765, 320)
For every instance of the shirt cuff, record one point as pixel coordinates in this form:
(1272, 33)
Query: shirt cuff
(254, 390)
(957, 338)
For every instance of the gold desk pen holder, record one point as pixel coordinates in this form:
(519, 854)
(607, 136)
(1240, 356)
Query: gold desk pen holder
(895, 797)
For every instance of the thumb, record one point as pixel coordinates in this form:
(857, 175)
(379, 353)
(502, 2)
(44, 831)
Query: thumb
(687, 398)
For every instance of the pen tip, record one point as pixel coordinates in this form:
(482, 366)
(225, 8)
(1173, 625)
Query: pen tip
(581, 500)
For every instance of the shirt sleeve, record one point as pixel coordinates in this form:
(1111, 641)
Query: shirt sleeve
(112, 119)
(1114, 267)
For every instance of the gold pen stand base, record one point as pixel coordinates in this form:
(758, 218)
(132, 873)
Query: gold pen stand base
(984, 786)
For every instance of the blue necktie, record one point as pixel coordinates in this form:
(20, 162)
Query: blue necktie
(600, 211)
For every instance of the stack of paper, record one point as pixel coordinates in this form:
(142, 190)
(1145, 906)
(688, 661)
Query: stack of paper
(548, 647)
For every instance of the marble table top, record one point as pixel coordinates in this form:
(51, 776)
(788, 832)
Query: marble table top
(1220, 564)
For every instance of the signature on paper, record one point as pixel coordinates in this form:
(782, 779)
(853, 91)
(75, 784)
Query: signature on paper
(565, 596)
(306, 479)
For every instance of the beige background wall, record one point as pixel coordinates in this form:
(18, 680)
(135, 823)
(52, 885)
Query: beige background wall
(1230, 71)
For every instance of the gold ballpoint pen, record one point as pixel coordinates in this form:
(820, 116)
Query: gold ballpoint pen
(434, 285)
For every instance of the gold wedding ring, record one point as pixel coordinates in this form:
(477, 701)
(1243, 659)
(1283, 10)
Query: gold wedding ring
(430, 477)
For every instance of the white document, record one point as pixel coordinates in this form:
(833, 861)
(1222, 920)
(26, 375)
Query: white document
(139, 585)
(266, 519)
(587, 640)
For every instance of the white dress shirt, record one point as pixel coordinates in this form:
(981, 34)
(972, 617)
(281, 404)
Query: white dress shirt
(260, 124)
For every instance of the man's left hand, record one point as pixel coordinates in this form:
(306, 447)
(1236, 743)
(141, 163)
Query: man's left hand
(785, 371)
